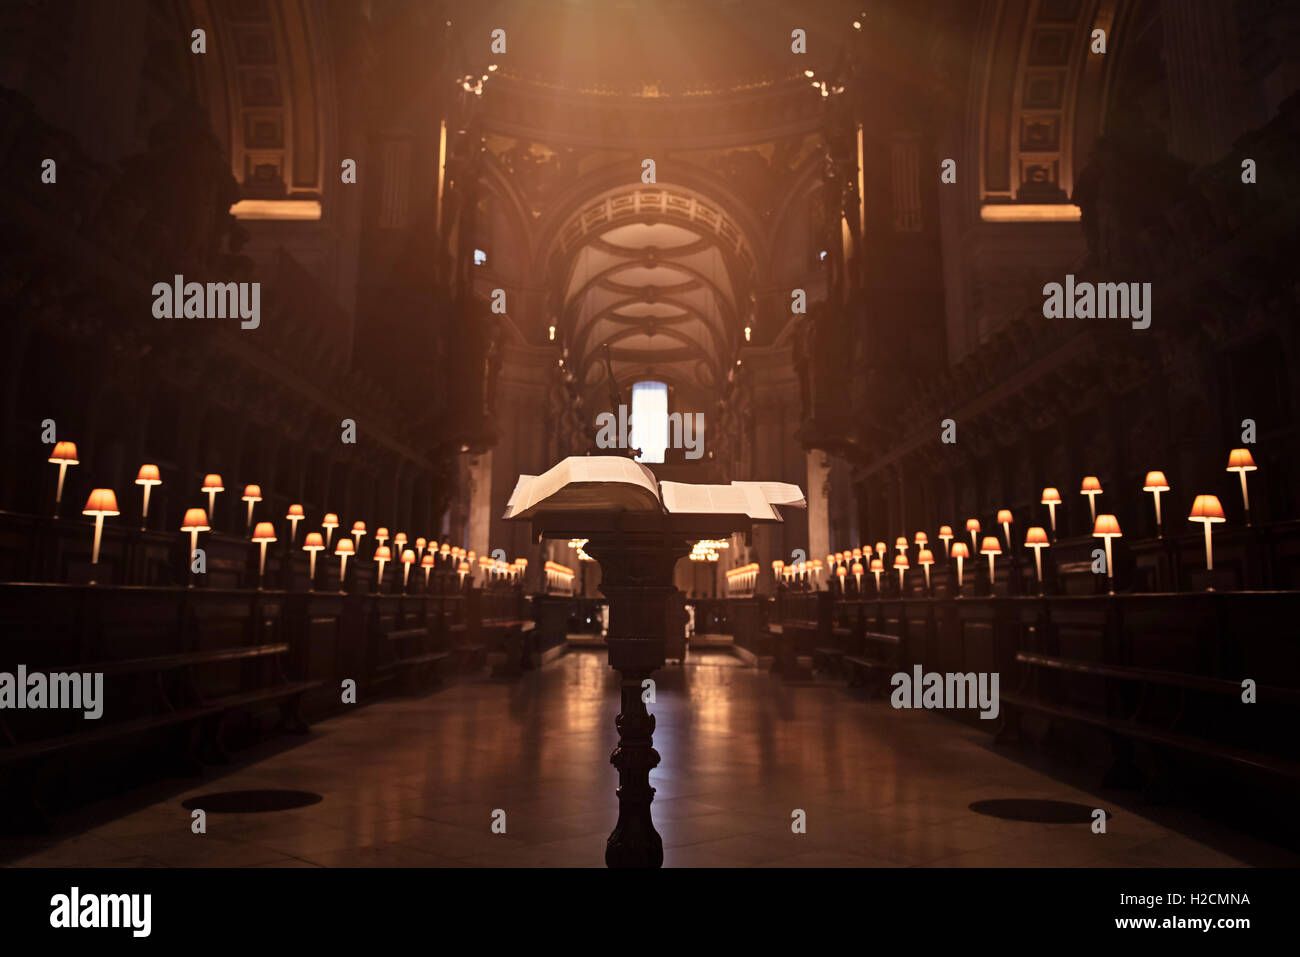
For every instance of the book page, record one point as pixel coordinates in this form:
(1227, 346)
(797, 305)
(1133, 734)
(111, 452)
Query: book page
(586, 483)
(682, 498)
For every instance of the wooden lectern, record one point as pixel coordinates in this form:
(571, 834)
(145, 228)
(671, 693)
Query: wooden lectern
(638, 547)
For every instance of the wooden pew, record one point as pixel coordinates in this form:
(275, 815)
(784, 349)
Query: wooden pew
(1195, 714)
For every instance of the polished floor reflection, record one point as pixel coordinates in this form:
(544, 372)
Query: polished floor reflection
(417, 782)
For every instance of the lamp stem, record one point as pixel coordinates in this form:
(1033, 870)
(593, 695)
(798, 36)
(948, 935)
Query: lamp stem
(1110, 572)
(1038, 567)
(1209, 548)
(99, 531)
(144, 515)
(959, 561)
(1051, 514)
(58, 493)
(1160, 528)
(343, 571)
(1245, 495)
(261, 564)
(311, 570)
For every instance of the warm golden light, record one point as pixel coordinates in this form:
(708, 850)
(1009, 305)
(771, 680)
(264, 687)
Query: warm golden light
(264, 532)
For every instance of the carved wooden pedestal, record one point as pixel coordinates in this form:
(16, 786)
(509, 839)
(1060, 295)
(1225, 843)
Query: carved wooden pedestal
(636, 577)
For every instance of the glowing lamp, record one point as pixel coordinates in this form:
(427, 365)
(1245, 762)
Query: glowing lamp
(1036, 538)
(426, 562)
(195, 521)
(921, 539)
(344, 549)
(840, 573)
(901, 544)
(1207, 510)
(419, 545)
(329, 523)
(101, 502)
(925, 559)
(381, 534)
(64, 455)
(408, 559)
(1091, 487)
(961, 553)
(1051, 498)
(945, 536)
(1156, 483)
(1241, 462)
(147, 477)
(901, 564)
(1107, 527)
(880, 549)
(383, 555)
(212, 484)
(992, 549)
(857, 575)
(312, 544)
(877, 569)
(252, 495)
(462, 570)
(263, 535)
(358, 532)
(973, 526)
(294, 515)
(1004, 519)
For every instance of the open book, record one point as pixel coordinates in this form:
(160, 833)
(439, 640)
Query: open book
(587, 483)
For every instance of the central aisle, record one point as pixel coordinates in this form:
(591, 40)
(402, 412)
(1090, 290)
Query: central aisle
(416, 781)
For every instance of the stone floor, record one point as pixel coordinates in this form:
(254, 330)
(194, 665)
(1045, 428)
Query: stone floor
(415, 782)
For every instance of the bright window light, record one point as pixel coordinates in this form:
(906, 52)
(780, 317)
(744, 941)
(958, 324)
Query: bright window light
(650, 420)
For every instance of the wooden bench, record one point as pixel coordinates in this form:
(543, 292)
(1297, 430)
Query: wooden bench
(470, 655)
(408, 656)
(178, 706)
(788, 639)
(866, 670)
(511, 637)
(1136, 716)
(830, 658)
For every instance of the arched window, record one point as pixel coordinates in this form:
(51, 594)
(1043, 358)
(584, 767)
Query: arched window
(649, 420)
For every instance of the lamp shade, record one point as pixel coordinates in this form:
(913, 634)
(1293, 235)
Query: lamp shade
(383, 554)
(990, 546)
(1051, 496)
(295, 511)
(900, 541)
(65, 453)
(857, 553)
(972, 524)
(196, 520)
(252, 493)
(921, 538)
(830, 559)
(102, 501)
(344, 546)
(960, 550)
(900, 561)
(358, 526)
(426, 561)
(420, 543)
(330, 520)
(314, 542)
(777, 565)
(463, 569)
(1239, 460)
(877, 565)
(1155, 482)
(445, 550)
(381, 531)
(839, 558)
(857, 568)
(1206, 508)
(212, 483)
(1004, 515)
(264, 532)
(925, 558)
(945, 531)
(1090, 484)
(148, 475)
(408, 558)
(1106, 526)
(1034, 535)
(880, 548)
